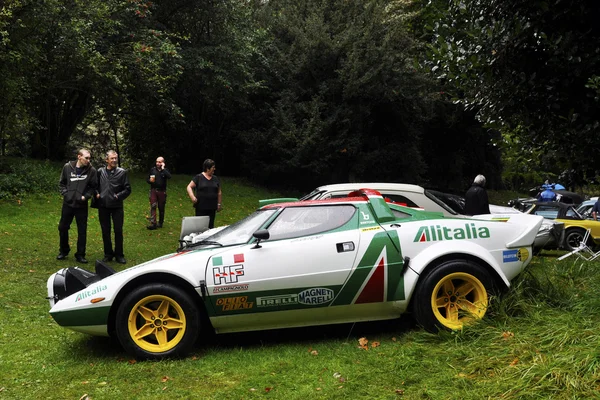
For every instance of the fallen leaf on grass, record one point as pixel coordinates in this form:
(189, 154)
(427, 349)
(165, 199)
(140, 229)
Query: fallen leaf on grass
(85, 382)
(393, 339)
(314, 353)
(268, 389)
(319, 389)
(399, 392)
(362, 343)
(84, 397)
(131, 361)
(507, 335)
(336, 375)
(165, 379)
(375, 344)
(514, 362)
(252, 390)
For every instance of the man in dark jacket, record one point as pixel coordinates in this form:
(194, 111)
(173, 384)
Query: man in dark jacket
(77, 185)
(157, 178)
(476, 199)
(113, 188)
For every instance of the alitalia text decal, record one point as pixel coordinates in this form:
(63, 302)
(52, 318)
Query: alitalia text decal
(433, 233)
(87, 293)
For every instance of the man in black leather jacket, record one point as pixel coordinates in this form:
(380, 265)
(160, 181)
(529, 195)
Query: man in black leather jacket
(113, 188)
(77, 185)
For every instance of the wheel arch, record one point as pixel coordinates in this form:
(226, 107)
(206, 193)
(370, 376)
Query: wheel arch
(497, 280)
(156, 277)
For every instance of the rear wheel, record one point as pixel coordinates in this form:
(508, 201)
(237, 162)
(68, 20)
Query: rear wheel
(452, 295)
(157, 321)
(573, 238)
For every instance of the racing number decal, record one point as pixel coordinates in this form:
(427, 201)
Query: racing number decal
(377, 276)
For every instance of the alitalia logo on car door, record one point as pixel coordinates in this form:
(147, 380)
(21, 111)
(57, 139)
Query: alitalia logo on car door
(434, 233)
(377, 276)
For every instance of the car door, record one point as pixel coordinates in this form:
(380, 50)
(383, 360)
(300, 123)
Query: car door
(289, 279)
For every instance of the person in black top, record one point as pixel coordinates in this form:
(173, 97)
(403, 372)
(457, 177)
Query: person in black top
(205, 192)
(157, 178)
(476, 199)
(113, 188)
(77, 185)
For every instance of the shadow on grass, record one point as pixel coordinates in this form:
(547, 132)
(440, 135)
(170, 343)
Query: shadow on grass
(314, 334)
(109, 348)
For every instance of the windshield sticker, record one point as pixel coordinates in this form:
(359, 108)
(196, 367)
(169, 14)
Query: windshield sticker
(232, 288)
(315, 296)
(85, 294)
(227, 274)
(235, 303)
(436, 233)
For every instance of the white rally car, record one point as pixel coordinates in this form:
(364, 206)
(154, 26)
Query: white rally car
(294, 264)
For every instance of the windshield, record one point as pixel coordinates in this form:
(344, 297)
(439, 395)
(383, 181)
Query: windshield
(240, 232)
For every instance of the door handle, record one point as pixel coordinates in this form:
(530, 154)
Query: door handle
(344, 247)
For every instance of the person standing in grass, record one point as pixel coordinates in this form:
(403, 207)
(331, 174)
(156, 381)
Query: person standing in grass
(205, 192)
(113, 188)
(77, 185)
(158, 192)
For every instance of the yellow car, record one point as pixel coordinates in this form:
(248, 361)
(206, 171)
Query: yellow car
(575, 224)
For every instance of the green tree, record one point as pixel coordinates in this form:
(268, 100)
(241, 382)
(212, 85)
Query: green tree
(77, 54)
(526, 65)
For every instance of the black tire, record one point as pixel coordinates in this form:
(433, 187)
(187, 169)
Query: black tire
(169, 317)
(573, 238)
(438, 302)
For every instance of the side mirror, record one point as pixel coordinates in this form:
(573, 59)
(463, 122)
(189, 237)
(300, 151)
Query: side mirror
(261, 234)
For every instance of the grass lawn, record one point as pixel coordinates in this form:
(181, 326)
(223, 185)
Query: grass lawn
(539, 341)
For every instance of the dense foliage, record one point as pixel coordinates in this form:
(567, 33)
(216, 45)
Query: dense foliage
(297, 94)
(530, 67)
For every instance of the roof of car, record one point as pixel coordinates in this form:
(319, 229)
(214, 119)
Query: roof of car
(379, 185)
(305, 203)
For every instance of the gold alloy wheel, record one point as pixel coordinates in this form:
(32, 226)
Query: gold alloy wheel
(459, 298)
(156, 323)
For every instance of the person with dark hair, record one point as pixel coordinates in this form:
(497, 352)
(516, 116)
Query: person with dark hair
(113, 188)
(476, 199)
(77, 185)
(158, 192)
(205, 192)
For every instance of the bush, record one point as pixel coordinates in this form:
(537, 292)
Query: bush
(19, 176)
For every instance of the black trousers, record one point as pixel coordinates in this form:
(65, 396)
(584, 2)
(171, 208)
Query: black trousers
(117, 215)
(158, 199)
(210, 213)
(66, 218)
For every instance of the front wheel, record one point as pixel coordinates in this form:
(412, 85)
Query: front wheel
(451, 295)
(157, 321)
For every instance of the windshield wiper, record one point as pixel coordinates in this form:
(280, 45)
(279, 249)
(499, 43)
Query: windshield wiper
(210, 242)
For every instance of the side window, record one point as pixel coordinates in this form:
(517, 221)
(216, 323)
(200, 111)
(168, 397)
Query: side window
(302, 221)
(571, 213)
(546, 212)
(400, 214)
